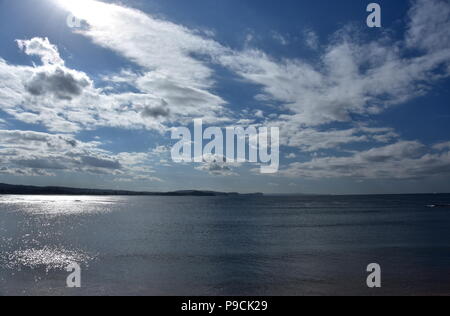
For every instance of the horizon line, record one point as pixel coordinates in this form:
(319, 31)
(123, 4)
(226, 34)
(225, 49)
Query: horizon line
(143, 192)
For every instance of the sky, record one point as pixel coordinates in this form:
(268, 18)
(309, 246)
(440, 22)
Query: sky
(360, 110)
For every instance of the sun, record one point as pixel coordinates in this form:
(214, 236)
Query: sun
(89, 10)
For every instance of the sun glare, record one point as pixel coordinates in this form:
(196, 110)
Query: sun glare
(85, 9)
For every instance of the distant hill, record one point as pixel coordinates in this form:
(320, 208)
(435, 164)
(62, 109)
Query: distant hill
(35, 190)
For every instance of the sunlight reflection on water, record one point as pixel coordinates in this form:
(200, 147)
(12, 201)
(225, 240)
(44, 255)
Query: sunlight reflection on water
(33, 229)
(60, 205)
(46, 258)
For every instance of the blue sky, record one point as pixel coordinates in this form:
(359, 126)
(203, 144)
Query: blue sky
(360, 110)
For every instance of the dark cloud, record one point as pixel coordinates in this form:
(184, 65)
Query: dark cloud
(40, 163)
(157, 112)
(59, 82)
(217, 167)
(101, 163)
(9, 138)
(41, 154)
(71, 142)
(402, 160)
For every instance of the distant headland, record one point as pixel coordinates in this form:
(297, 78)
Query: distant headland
(35, 190)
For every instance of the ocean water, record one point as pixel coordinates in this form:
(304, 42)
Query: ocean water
(303, 245)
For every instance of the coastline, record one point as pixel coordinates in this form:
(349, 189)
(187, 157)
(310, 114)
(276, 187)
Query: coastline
(8, 189)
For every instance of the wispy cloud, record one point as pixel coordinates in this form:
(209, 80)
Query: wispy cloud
(402, 160)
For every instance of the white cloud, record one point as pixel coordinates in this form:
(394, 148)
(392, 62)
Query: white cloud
(442, 146)
(353, 76)
(43, 94)
(280, 38)
(176, 82)
(259, 114)
(291, 156)
(165, 52)
(429, 27)
(65, 100)
(43, 48)
(311, 39)
(310, 139)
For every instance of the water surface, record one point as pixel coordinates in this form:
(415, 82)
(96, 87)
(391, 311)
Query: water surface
(304, 245)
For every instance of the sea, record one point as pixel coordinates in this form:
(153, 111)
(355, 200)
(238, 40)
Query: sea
(226, 245)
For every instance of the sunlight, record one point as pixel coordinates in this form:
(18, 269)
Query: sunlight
(89, 10)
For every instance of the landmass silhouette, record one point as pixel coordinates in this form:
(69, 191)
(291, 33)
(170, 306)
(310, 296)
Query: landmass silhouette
(54, 190)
